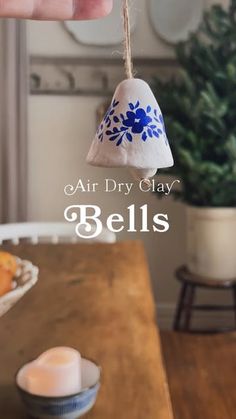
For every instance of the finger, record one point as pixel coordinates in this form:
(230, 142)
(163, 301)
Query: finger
(15, 8)
(55, 9)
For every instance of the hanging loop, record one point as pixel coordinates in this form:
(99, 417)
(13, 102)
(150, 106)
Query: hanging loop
(127, 41)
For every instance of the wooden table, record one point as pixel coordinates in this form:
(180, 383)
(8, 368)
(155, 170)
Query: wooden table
(96, 298)
(201, 373)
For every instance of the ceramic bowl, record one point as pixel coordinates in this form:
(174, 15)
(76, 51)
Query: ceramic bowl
(67, 407)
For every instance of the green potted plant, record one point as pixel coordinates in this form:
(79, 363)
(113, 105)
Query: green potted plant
(200, 113)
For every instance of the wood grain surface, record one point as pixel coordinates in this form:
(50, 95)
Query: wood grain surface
(97, 299)
(201, 373)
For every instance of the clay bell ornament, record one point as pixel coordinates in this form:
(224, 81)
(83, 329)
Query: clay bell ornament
(132, 133)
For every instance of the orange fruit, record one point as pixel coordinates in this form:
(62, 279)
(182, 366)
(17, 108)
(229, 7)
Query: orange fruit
(5, 281)
(8, 262)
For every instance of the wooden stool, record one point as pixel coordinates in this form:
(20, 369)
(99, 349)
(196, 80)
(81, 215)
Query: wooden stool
(186, 306)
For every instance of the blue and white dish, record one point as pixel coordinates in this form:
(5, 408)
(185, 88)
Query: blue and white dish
(68, 407)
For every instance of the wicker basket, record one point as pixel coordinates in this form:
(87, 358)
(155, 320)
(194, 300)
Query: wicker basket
(26, 277)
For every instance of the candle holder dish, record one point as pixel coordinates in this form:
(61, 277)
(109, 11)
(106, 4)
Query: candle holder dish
(67, 407)
(25, 278)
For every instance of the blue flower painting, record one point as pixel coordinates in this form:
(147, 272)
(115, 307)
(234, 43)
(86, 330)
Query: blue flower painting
(148, 123)
(137, 120)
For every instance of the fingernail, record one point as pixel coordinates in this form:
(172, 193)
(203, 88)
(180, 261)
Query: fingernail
(92, 9)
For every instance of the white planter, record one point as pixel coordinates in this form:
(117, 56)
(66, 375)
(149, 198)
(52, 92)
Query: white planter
(211, 242)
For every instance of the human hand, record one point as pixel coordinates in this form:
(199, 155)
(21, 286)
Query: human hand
(55, 9)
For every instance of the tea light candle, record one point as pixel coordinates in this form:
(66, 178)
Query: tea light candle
(56, 373)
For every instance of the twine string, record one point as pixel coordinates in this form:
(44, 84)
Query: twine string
(128, 54)
(127, 41)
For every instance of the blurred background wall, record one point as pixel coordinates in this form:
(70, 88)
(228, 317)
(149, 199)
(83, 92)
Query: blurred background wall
(60, 132)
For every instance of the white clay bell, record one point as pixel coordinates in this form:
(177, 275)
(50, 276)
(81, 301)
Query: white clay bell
(132, 133)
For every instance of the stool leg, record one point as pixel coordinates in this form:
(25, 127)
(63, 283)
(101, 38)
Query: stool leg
(188, 307)
(234, 300)
(180, 308)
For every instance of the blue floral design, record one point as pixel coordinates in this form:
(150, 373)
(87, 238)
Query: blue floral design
(107, 119)
(161, 120)
(146, 122)
(137, 120)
